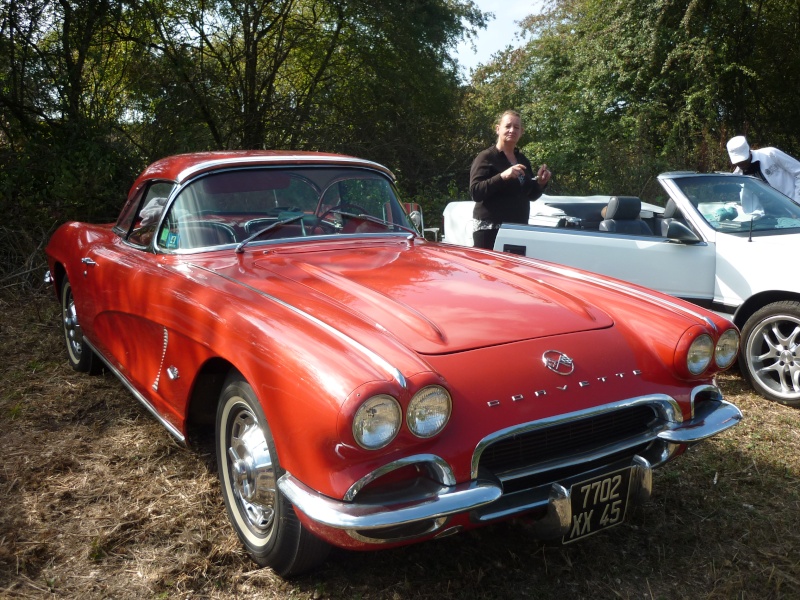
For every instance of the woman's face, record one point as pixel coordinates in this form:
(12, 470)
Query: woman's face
(509, 130)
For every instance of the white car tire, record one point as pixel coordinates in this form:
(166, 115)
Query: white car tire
(770, 354)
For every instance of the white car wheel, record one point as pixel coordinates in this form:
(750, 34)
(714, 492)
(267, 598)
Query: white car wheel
(770, 356)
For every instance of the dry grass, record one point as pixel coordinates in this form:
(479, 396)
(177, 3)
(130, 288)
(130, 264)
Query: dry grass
(97, 501)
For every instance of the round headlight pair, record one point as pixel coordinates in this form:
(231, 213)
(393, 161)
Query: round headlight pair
(703, 350)
(378, 420)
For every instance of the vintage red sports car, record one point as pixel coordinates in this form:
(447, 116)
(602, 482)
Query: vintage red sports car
(365, 387)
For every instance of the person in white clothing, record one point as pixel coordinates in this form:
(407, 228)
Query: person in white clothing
(774, 166)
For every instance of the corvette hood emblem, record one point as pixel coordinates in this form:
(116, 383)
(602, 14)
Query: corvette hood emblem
(558, 362)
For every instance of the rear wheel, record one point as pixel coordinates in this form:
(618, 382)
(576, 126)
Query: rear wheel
(248, 465)
(81, 357)
(770, 356)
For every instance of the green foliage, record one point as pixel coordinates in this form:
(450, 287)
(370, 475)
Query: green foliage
(93, 90)
(613, 92)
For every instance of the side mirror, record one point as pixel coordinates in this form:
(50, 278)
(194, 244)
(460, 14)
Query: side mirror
(414, 211)
(681, 233)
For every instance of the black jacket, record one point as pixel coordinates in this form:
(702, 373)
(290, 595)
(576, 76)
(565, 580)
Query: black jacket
(497, 200)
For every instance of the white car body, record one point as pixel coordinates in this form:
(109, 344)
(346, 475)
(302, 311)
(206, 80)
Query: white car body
(741, 264)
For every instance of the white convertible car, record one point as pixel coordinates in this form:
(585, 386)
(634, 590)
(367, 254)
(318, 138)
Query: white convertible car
(726, 242)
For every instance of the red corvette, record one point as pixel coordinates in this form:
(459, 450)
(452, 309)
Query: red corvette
(367, 388)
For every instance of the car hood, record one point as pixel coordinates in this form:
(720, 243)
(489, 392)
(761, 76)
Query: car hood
(434, 298)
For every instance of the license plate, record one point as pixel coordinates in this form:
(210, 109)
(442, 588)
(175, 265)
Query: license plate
(598, 504)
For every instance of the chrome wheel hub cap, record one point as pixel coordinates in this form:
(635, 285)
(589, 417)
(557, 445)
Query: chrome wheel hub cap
(774, 351)
(252, 472)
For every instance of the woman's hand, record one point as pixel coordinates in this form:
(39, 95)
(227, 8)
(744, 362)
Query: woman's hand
(513, 172)
(543, 176)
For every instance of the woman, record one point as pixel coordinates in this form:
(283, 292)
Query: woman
(502, 183)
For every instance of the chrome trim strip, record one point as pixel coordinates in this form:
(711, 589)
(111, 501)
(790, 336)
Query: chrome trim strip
(668, 408)
(375, 358)
(449, 500)
(440, 466)
(151, 409)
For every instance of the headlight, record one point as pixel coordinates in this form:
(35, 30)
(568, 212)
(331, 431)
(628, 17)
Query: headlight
(700, 354)
(377, 422)
(727, 347)
(428, 411)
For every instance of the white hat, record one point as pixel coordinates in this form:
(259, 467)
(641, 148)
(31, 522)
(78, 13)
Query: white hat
(738, 149)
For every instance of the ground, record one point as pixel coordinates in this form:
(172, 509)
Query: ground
(98, 501)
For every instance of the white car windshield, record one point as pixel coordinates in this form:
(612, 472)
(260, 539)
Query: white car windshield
(740, 204)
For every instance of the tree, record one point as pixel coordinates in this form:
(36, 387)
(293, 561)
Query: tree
(617, 91)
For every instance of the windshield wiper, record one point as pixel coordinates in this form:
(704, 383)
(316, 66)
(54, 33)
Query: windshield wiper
(271, 226)
(371, 219)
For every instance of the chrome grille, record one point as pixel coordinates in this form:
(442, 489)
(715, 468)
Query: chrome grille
(557, 442)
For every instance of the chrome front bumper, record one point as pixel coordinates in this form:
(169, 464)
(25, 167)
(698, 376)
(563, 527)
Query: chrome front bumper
(480, 497)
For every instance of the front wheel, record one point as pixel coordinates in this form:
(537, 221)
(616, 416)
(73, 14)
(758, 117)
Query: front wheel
(770, 355)
(248, 465)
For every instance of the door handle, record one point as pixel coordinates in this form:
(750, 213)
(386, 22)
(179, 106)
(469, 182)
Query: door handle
(88, 261)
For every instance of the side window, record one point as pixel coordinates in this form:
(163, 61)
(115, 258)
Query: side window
(151, 208)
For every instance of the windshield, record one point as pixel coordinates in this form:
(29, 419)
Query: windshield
(740, 204)
(264, 204)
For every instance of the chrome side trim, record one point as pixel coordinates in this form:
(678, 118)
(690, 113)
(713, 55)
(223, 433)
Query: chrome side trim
(161, 364)
(151, 409)
(449, 500)
(439, 465)
(667, 407)
(373, 357)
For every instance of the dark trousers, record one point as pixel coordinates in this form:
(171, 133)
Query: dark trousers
(484, 238)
